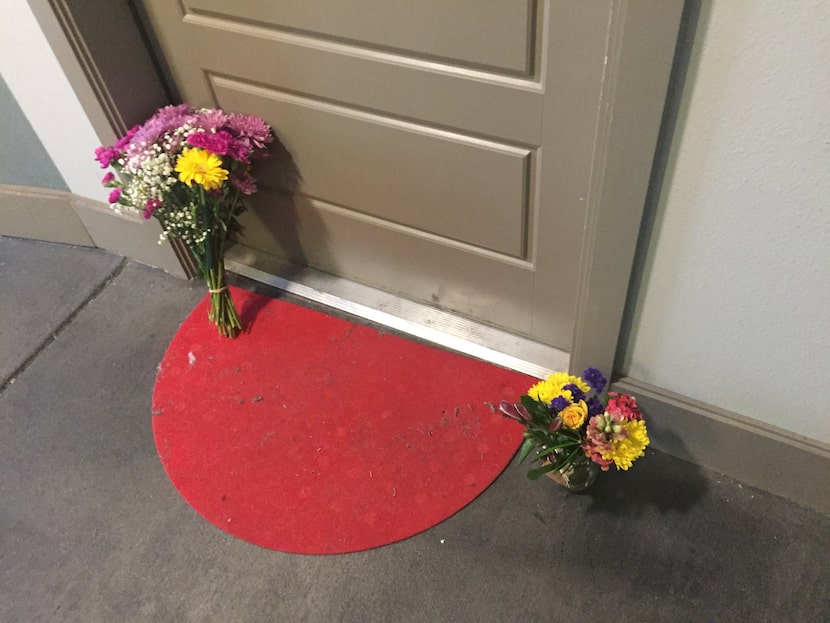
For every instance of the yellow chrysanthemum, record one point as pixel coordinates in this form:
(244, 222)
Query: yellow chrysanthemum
(626, 451)
(201, 166)
(551, 387)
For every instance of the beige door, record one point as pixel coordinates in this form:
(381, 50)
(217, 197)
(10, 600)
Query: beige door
(445, 146)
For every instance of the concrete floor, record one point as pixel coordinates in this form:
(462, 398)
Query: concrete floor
(92, 530)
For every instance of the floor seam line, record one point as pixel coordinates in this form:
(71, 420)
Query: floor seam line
(65, 323)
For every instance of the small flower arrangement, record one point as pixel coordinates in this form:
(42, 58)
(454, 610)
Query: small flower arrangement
(189, 169)
(570, 420)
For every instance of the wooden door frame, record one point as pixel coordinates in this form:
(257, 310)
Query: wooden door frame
(639, 46)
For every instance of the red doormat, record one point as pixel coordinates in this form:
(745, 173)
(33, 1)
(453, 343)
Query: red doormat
(312, 434)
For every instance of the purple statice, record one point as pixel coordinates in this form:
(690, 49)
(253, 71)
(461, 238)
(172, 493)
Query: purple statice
(244, 181)
(576, 393)
(558, 403)
(595, 379)
(595, 406)
(252, 131)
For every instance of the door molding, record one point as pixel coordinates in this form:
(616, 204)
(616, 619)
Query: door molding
(640, 41)
(641, 47)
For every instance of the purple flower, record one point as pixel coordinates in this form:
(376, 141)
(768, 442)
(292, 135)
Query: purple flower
(595, 406)
(595, 379)
(251, 130)
(115, 195)
(238, 150)
(211, 119)
(151, 206)
(166, 119)
(577, 393)
(108, 178)
(558, 403)
(245, 182)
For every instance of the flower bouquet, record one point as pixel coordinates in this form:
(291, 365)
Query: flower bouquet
(574, 427)
(189, 168)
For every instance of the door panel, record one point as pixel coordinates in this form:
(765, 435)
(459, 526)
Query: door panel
(495, 35)
(445, 147)
(399, 171)
(448, 96)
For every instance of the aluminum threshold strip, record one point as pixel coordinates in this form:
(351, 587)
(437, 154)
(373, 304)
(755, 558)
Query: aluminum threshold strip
(456, 333)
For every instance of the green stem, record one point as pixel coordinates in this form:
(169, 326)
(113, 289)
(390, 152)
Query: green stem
(222, 310)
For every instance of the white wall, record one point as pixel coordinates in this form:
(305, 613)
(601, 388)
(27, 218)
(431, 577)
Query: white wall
(39, 85)
(734, 307)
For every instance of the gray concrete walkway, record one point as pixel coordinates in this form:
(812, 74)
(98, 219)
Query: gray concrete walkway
(91, 530)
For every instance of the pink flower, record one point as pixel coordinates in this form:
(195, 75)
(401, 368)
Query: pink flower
(151, 206)
(108, 178)
(122, 142)
(602, 430)
(105, 155)
(221, 143)
(624, 405)
(216, 143)
(115, 195)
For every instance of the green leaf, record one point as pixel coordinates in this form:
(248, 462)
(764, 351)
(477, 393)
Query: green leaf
(527, 446)
(538, 411)
(548, 450)
(533, 474)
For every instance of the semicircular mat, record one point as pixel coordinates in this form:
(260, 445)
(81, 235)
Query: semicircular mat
(313, 434)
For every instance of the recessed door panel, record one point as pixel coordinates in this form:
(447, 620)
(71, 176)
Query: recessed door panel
(496, 35)
(446, 184)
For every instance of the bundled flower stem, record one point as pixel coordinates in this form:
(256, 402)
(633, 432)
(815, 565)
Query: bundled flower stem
(222, 311)
(189, 169)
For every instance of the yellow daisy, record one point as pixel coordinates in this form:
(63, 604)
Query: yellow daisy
(201, 166)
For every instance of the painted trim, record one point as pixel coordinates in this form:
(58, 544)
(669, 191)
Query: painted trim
(41, 214)
(64, 217)
(753, 452)
(642, 39)
(115, 92)
(127, 235)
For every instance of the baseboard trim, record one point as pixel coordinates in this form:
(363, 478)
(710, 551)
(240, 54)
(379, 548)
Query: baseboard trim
(62, 216)
(753, 452)
(41, 214)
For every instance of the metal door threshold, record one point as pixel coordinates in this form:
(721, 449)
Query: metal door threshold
(440, 327)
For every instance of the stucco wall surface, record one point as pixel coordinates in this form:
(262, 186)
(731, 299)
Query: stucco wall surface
(23, 159)
(734, 303)
(39, 85)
